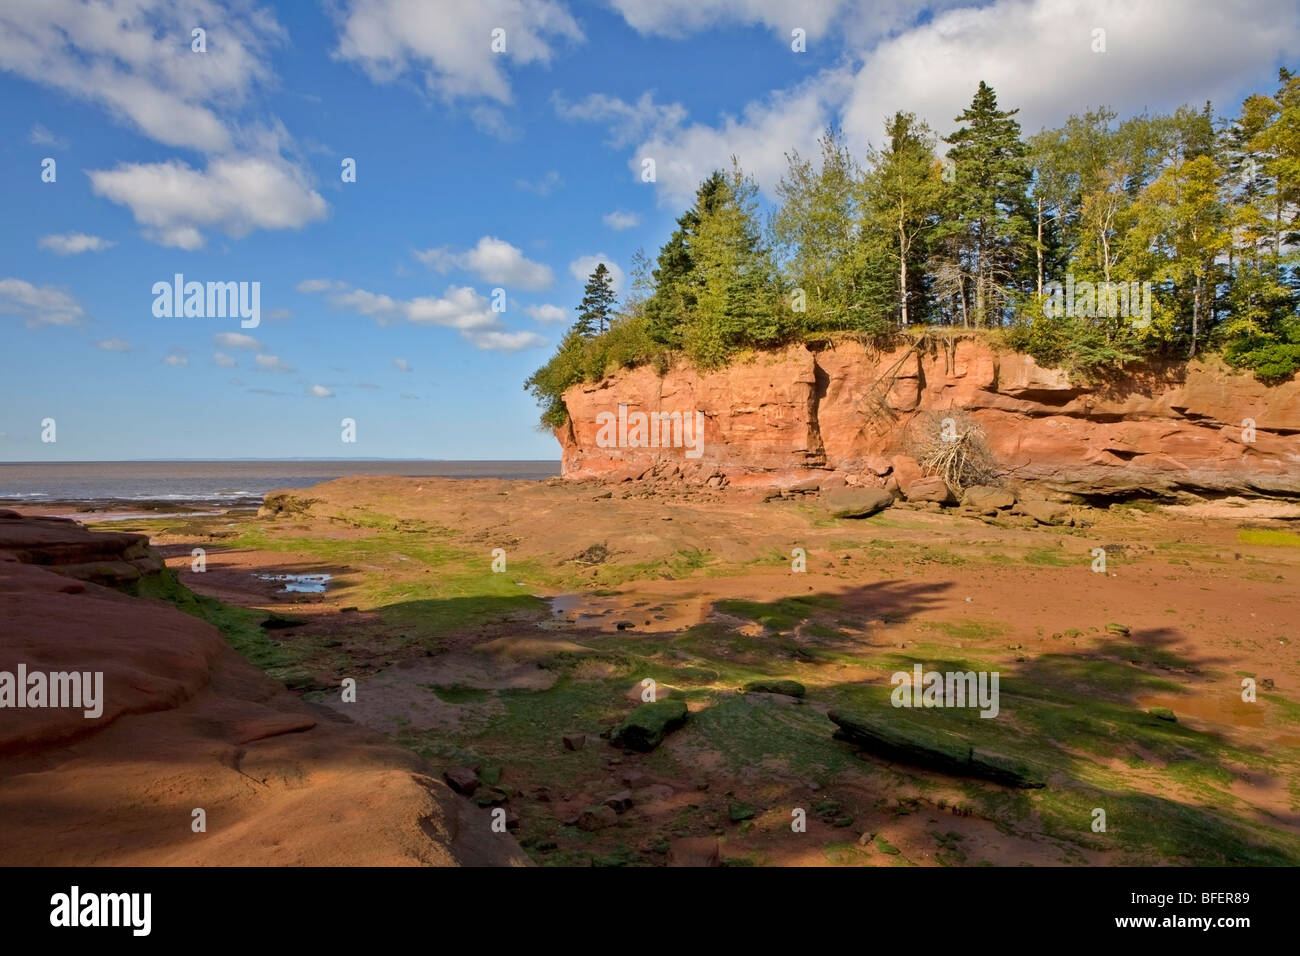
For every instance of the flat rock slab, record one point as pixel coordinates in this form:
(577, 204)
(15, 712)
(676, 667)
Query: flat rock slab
(856, 502)
(939, 750)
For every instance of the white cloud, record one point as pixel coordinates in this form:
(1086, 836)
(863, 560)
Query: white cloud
(627, 121)
(546, 313)
(72, 243)
(113, 345)
(490, 120)
(320, 391)
(223, 360)
(272, 363)
(1037, 55)
(237, 195)
(460, 307)
(494, 260)
(759, 138)
(176, 360)
(402, 365)
(38, 305)
(505, 341)
(582, 267)
(236, 340)
(40, 136)
(134, 58)
(678, 18)
(618, 220)
(550, 182)
(450, 43)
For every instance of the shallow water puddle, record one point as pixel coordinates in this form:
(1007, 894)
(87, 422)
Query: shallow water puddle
(299, 583)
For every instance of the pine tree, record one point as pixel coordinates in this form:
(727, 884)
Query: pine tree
(674, 299)
(989, 205)
(597, 303)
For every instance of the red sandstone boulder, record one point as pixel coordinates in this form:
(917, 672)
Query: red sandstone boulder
(933, 488)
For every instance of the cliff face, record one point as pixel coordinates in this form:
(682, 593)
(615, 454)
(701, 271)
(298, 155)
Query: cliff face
(795, 414)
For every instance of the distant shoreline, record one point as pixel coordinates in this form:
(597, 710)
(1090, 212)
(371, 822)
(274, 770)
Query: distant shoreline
(215, 486)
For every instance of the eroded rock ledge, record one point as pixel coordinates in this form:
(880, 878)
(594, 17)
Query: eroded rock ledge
(188, 723)
(788, 416)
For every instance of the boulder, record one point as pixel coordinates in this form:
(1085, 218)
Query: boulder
(463, 780)
(933, 750)
(987, 499)
(597, 818)
(906, 471)
(933, 489)
(1044, 512)
(791, 688)
(645, 728)
(857, 502)
(620, 802)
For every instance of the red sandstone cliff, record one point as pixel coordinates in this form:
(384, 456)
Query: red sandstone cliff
(789, 415)
(185, 723)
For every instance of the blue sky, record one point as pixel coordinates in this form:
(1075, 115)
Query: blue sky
(476, 170)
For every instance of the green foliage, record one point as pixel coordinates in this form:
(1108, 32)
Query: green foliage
(1206, 210)
(597, 302)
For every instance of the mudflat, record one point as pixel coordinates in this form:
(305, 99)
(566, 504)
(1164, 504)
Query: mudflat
(498, 628)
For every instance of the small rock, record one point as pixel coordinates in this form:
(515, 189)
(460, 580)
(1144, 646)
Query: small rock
(574, 741)
(1163, 713)
(461, 779)
(597, 818)
(741, 811)
(694, 851)
(619, 802)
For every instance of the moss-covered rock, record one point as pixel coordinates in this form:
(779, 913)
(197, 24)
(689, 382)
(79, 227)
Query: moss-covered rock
(645, 728)
(935, 750)
(791, 688)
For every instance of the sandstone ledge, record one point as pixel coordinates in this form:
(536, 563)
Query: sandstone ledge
(786, 417)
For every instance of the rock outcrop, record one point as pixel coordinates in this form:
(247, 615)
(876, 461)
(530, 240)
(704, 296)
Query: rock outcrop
(780, 417)
(185, 723)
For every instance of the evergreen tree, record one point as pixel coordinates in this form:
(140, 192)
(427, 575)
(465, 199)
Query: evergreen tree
(989, 206)
(737, 293)
(597, 303)
(675, 279)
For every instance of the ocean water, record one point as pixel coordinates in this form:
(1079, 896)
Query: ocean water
(226, 484)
